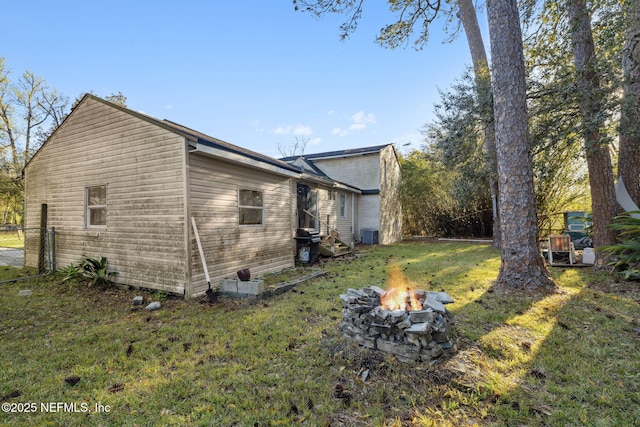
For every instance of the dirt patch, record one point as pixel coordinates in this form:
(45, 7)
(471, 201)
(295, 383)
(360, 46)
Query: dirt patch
(618, 287)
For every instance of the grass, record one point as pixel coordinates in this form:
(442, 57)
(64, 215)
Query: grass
(565, 359)
(11, 239)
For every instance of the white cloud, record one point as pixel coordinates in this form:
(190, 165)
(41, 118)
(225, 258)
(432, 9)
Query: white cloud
(315, 141)
(330, 113)
(297, 130)
(359, 121)
(168, 107)
(301, 130)
(280, 130)
(361, 117)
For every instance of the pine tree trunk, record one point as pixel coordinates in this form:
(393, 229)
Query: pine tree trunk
(522, 264)
(603, 204)
(629, 138)
(469, 19)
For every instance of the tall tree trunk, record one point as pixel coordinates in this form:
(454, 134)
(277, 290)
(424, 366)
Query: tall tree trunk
(522, 264)
(629, 138)
(469, 19)
(603, 204)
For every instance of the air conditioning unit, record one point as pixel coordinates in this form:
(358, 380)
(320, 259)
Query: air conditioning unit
(369, 236)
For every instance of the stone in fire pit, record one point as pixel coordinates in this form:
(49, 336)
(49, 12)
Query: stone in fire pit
(416, 335)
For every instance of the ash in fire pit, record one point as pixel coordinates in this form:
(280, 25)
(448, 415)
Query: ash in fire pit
(414, 326)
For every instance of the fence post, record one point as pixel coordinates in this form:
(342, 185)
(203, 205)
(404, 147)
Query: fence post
(52, 246)
(42, 251)
(42, 258)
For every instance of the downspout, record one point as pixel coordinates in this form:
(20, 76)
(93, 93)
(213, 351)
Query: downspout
(353, 220)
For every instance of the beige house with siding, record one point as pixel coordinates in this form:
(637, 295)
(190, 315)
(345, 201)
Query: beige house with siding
(376, 172)
(124, 185)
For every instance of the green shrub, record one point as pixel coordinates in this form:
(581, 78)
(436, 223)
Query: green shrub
(71, 273)
(626, 254)
(89, 270)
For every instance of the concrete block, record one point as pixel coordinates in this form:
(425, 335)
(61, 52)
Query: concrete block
(229, 285)
(407, 351)
(251, 287)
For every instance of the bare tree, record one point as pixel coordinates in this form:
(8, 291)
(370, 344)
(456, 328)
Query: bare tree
(295, 149)
(27, 108)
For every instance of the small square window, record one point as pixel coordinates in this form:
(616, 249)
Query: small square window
(96, 206)
(250, 207)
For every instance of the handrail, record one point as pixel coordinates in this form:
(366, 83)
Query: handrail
(332, 237)
(321, 221)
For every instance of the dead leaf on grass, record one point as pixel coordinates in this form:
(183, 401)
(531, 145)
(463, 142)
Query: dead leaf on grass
(542, 409)
(11, 395)
(116, 387)
(72, 380)
(536, 373)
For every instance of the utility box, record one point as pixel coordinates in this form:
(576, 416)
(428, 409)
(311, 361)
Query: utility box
(577, 221)
(369, 236)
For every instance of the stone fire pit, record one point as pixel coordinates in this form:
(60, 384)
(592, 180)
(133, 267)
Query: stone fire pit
(422, 331)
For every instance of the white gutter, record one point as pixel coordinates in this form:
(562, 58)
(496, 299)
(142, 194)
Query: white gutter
(353, 220)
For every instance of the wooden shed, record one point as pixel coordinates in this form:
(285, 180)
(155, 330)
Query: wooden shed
(124, 185)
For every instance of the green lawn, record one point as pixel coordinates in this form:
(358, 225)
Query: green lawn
(11, 239)
(566, 359)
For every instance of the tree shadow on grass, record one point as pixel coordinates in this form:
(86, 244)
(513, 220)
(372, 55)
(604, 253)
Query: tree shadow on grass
(585, 369)
(562, 359)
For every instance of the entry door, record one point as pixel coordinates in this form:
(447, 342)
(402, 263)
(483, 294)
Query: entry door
(307, 202)
(313, 209)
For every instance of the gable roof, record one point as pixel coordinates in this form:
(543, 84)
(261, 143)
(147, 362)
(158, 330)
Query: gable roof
(340, 153)
(193, 136)
(208, 145)
(206, 141)
(305, 165)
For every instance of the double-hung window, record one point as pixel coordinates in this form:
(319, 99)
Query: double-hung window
(343, 206)
(250, 207)
(96, 206)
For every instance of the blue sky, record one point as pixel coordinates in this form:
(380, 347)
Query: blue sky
(253, 73)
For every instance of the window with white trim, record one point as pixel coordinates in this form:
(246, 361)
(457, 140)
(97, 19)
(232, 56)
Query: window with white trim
(343, 206)
(250, 207)
(96, 206)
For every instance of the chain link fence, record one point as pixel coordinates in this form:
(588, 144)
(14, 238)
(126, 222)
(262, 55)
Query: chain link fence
(37, 243)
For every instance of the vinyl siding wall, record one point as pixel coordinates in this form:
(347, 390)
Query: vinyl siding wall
(228, 246)
(329, 207)
(372, 171)
(369, 213)
(362, 171)
(142, 166)
(390, 201)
